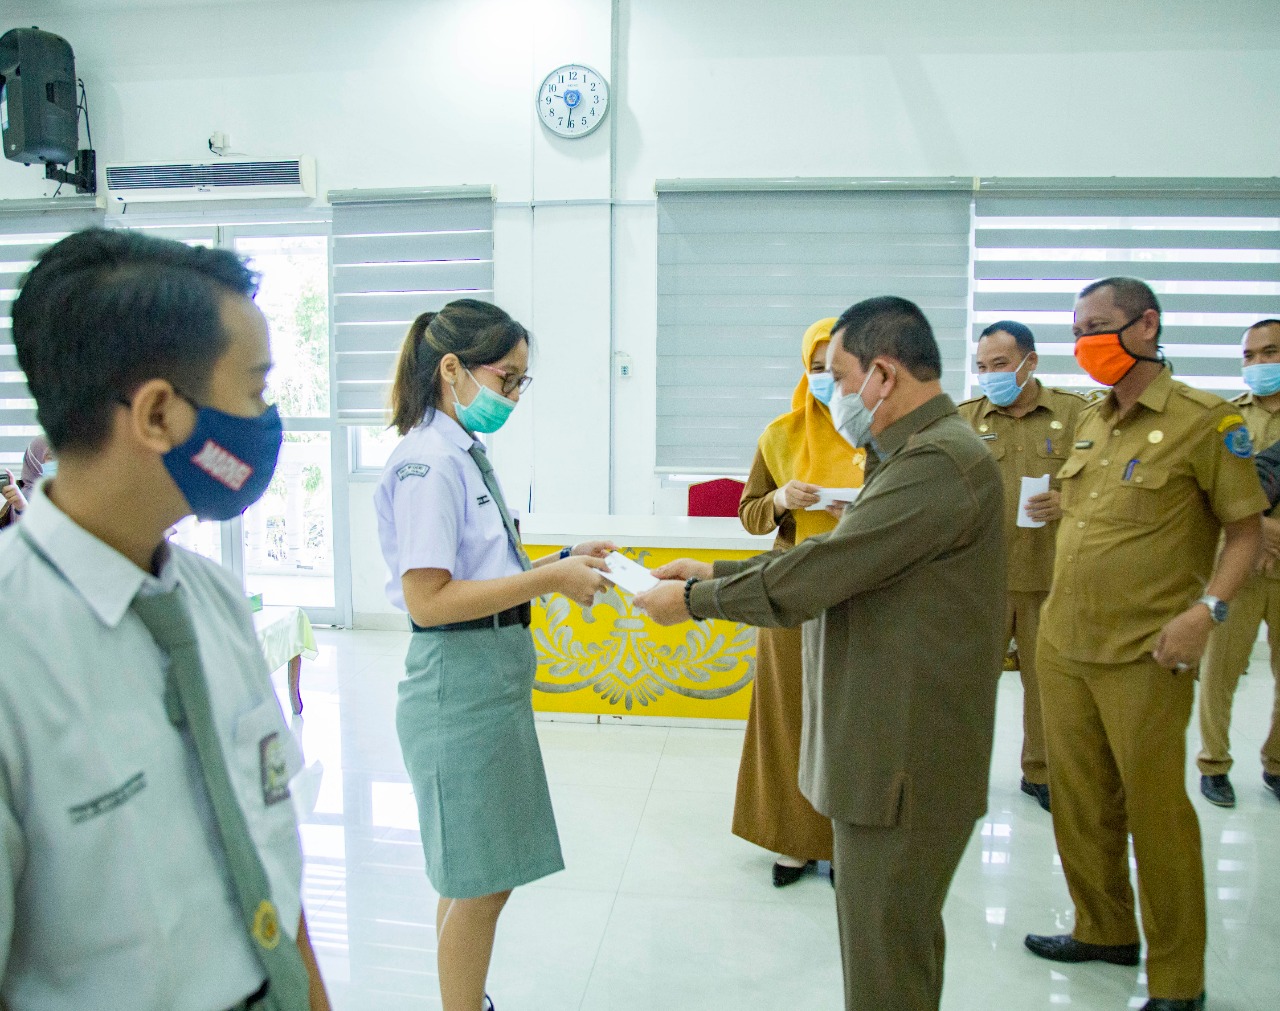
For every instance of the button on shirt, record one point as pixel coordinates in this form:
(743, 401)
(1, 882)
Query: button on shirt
(435, 511)
(1033, 445)
(114, 891)
(1144, 498)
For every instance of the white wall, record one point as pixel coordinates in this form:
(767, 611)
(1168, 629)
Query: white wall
(440, 92)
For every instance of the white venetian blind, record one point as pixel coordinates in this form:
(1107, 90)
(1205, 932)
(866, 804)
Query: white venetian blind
(744, 269)
(396, 254)
(1210, 249)
(27, 228)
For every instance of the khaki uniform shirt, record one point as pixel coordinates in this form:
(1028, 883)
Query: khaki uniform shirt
(909, 594)
(1033, 445)
(1264, 430)
(1144, 499)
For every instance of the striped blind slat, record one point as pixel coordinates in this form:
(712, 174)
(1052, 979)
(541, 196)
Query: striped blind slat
(741, 276)
(392, 259)
(1213, 260)
(25, 232)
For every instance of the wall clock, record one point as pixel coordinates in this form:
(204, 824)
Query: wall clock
(573, 100)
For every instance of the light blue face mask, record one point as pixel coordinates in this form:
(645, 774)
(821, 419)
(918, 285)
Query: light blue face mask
(852, 417)
(486, 413)
(822, 386)
(1002, 388)
(1262, 380)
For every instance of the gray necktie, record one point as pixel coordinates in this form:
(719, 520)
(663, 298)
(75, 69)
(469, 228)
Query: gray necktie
(187, 702)
(491, 482)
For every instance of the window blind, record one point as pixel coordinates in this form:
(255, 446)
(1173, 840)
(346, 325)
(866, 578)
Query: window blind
(27, 228)
(396, 254)
(742, 275)
(1210, 249)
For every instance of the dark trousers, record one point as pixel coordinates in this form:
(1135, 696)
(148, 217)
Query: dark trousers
(890, 887)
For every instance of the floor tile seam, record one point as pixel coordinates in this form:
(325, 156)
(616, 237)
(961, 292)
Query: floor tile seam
(613, 901)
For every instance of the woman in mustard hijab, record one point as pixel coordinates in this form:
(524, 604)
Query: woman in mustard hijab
(798, 453)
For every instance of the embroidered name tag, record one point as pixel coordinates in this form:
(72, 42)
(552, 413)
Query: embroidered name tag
(413, 470)
(275, 770)
(987, 438)
(1085, 444)
(130, 788)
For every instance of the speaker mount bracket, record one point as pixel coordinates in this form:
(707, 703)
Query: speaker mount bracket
(85, 176)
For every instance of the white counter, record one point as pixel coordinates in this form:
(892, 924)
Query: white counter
(705, 532)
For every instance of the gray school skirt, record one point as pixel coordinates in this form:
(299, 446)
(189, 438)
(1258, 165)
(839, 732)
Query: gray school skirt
(465, 721)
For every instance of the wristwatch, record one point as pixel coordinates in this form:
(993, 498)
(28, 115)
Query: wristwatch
(1217, 608)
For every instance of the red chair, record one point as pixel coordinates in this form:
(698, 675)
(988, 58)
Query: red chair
(715, 498)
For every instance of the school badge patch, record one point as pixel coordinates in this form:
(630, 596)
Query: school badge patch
(266, 925)
(274, 770)
(1238, 442)
(413, 470)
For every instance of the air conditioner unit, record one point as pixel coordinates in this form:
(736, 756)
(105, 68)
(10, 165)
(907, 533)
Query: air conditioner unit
(224, 179)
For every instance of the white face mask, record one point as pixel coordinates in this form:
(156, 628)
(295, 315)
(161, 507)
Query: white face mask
(852, 417)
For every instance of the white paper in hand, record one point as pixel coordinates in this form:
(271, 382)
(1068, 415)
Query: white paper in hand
(628, 575)
(832, 496)
(1031, 487)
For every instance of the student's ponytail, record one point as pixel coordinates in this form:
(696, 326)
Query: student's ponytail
(412, 391)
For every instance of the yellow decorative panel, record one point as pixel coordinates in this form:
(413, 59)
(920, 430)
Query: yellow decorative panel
(611, 660)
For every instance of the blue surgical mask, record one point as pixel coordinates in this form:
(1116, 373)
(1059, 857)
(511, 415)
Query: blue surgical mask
(823, 386)
(49, 468)
(1262, 380)
(487, 412)
(227, 463)
(852, 417)
(1002, 388)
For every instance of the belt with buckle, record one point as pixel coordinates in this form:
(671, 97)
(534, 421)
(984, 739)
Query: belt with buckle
(521, 614)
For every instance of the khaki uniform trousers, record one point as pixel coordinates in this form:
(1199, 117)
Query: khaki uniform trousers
(890, 887)
(1022, 622)
(1117, 747)
(1225, 661)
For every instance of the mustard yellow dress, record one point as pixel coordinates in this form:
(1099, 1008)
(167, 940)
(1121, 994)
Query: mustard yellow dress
(769, 809)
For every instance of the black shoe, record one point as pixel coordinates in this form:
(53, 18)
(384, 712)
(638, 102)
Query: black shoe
(1174, 1004)
(1217, 790)
(1065, 948)
(1272, 783)
(784, 875)
(1040, 791)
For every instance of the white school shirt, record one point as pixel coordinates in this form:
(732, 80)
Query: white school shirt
(435, 511)
(114, 891)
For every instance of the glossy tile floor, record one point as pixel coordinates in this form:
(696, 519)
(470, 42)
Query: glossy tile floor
(662, 909)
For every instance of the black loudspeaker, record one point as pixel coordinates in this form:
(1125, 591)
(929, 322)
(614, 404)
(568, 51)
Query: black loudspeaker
(37, 97)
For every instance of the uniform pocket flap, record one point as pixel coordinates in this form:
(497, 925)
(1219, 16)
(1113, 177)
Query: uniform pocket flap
(1145, 476)
(1071, 468)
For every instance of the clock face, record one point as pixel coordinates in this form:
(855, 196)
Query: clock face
(573, 100)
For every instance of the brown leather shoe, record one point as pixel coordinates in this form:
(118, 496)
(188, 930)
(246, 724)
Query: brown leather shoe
(1065, 948)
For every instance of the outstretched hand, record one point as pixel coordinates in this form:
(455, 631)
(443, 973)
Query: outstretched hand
(664, 603)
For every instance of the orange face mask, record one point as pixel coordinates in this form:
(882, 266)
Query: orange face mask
(1104, 356)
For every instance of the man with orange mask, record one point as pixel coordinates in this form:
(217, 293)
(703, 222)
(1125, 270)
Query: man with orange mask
(1157, 470)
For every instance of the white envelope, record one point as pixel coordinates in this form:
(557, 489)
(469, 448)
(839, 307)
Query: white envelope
(627, 574)
(830, 496)
(1031, 486)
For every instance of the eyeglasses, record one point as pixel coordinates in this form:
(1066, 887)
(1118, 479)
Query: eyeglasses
(510, 383)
